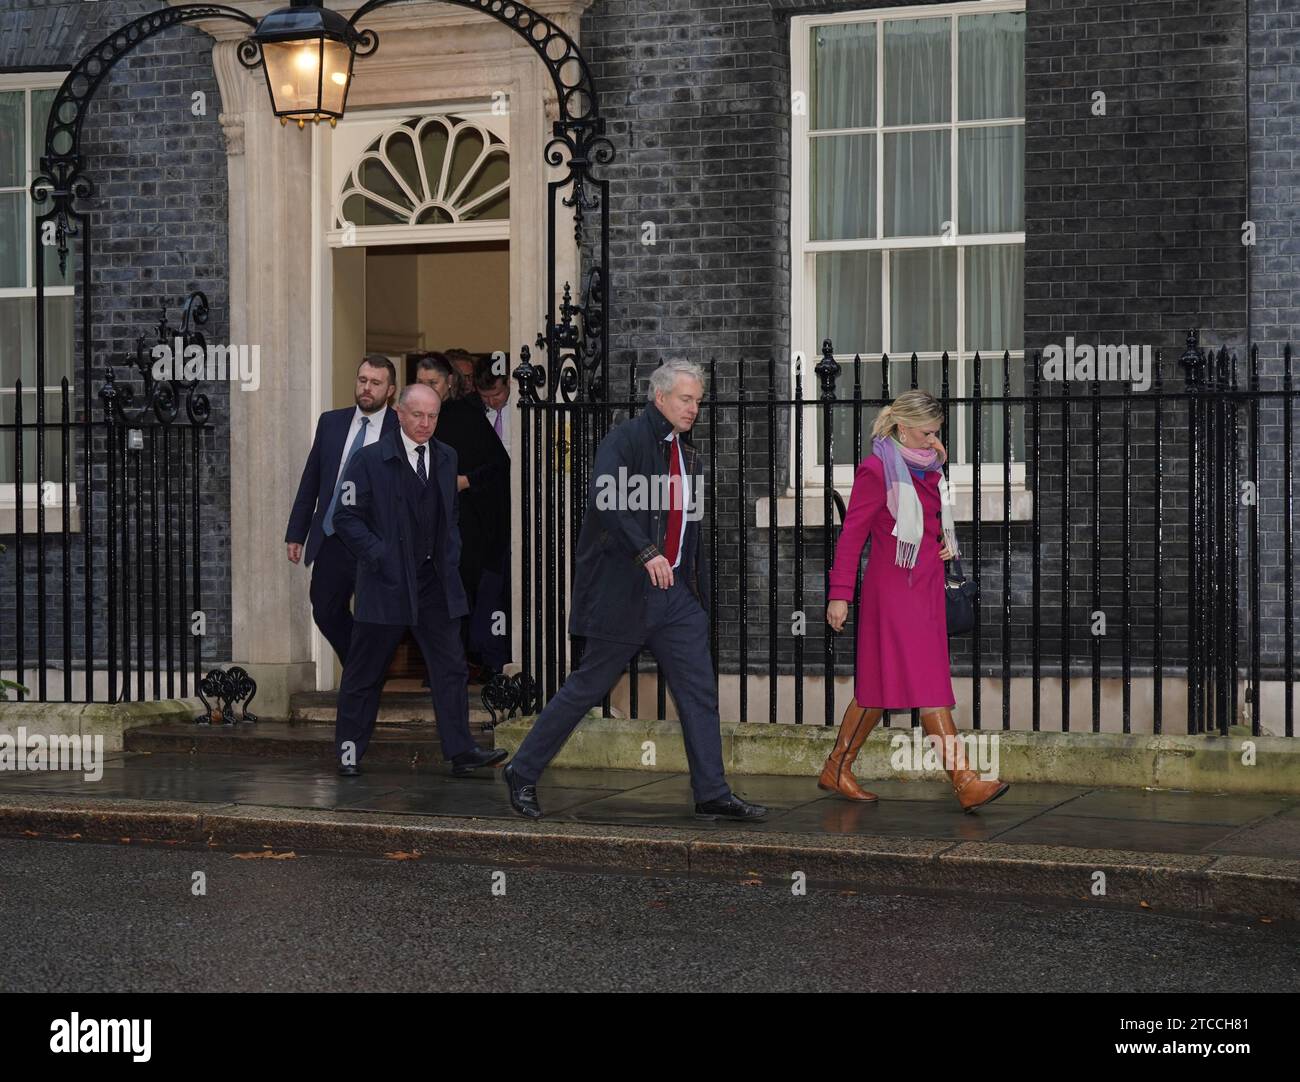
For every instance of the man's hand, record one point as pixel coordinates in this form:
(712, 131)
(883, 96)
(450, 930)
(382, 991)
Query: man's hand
(661, 572)
(295, 552)
(462, 482)
(836, 613)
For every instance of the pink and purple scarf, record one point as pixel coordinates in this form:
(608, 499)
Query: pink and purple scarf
(904, 504)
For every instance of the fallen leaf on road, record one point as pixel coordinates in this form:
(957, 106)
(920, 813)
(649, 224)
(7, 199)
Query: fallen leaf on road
(31, 833)
(1145, 905)
(1265, 920)
(70, 837)
(125, 841)
(265, 854)
(751, 882)
(414, 854)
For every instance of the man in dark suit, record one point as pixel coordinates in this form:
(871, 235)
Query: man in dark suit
(398, 515)
(642, 580)
(340, 434)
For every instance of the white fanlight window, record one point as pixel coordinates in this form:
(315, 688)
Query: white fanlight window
(442, 177)
(907, 213)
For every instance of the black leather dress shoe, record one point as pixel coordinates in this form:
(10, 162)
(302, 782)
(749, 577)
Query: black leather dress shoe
(730, 807)
(523, 795)
(349, 771)
(469, 761)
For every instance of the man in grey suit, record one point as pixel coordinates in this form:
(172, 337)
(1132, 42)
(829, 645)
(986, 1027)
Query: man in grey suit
(642, 580)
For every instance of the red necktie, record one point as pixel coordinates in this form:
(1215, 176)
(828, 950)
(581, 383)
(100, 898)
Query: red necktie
(675, 503)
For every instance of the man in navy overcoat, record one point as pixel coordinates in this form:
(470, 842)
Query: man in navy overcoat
(397, 513)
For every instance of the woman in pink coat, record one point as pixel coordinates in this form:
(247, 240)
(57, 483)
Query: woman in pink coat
(900, 501)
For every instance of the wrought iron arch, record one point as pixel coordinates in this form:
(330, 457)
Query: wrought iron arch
(574, 343)
(572, 346)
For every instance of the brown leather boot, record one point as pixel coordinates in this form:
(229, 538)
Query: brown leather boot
(837, 774)
(972, 792)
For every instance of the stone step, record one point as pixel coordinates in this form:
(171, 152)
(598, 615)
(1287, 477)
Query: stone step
(396, 708)
(288, 739)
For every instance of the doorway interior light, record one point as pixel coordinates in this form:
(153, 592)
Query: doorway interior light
(307, 53)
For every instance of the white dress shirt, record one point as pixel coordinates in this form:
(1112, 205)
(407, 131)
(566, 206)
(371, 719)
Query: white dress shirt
(686, 498)
(414, 458)
(373, 431)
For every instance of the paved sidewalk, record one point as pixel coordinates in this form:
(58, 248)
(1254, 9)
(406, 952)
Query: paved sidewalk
(1184, 851)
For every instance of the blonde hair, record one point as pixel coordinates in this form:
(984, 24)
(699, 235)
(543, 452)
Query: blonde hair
(912, 408)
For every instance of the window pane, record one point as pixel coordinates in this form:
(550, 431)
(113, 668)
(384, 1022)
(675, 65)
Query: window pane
(18, 340)
(923, 300)
(995, 297)
(918, 71)
(842, 187)
(991, 170)
(494, 171)
(917, 183)
(929, 376)
(41, 102)
(848, 301)
(843, 84)
(991, 66)
(991, 374)
(13, 150)
(53, 441)
(13, 239)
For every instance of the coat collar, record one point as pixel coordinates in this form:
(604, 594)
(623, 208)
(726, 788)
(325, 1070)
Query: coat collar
(393, 447)
(660, 426)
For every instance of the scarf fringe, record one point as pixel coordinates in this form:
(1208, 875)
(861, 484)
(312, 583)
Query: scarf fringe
(905, 504)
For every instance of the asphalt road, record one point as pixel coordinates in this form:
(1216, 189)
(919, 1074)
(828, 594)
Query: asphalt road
(85, 917)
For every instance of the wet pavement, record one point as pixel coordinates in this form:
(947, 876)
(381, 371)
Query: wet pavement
(1168, 822)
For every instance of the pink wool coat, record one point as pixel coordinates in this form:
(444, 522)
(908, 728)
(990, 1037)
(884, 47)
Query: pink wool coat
(902, 649)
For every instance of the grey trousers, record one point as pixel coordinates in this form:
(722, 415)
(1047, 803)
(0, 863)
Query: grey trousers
(678, 636)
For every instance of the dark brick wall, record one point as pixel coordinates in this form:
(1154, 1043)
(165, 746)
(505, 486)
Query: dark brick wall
(694, 100)
(1133, 235)
(1274, 78)
(158, 222)
(1133, 226)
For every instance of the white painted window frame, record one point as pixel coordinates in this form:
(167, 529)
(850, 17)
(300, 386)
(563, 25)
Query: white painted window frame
(803, 306)
(31, 496)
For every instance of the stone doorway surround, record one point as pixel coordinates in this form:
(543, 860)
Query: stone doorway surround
(429, 53)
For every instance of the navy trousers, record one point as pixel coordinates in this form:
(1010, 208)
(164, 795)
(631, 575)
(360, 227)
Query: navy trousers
(491, 594)
(333, 582)
(373, 646)
(678, 636)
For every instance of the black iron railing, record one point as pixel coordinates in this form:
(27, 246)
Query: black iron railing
(129, 535)
(1156, 543)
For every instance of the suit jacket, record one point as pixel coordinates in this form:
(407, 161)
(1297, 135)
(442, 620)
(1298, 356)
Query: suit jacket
(614, 545)
(377, 527)
(316, 488)
(485, 505)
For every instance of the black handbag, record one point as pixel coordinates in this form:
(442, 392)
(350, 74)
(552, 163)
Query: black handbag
(959, 599)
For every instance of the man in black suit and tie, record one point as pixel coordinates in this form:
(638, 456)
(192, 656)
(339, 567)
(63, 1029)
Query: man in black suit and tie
(642, 580)
(340, 434)
(398, 513)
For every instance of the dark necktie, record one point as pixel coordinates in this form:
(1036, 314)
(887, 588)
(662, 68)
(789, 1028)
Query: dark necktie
(675, 503)
(420, 471)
